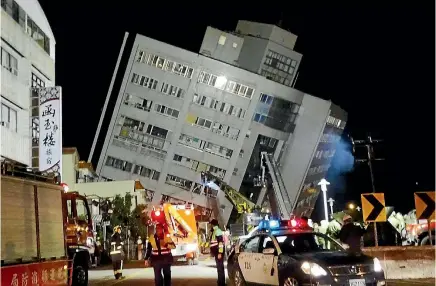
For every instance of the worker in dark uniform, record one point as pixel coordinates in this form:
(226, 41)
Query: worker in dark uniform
(216, 243)
(116, 252)
(159, 255)
(351, 234)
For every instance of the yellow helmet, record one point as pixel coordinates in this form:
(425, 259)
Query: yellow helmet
(116, 228)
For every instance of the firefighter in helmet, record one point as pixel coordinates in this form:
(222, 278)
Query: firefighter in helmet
(159, 255)
(216, 243)
(117, 252)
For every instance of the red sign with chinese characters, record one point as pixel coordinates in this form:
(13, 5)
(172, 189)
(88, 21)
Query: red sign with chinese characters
(43, 273)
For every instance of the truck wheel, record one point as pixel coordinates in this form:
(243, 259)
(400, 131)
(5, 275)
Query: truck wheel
(80, 276)
(426, 241)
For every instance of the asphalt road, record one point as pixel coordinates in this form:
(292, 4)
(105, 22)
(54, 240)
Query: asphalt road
(203, 274)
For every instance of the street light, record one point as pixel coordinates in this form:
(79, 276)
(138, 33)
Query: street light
(323, 183)
(351, 206)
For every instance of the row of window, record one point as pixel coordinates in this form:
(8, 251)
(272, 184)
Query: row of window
(165, 64)
(336, 122)
(222, 83)
(190, 186)
(223, 107)
(146, 105)
(201, 145)
(152, 83)
(275, 76)
(127, 167)
(138, 102)
(179, 182)
(318, 169)
(324, 154)
(9, 117)
(199, 166)
(19, 15)
(144, 81)
(147, 147)
(218, 128)
(137, 125)
(9, 62)
(262, 118)
(280, 62)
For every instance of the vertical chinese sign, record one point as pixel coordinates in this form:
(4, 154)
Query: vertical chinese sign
(50, 129)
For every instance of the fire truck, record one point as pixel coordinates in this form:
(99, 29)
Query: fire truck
(182, 228)
(44, 230)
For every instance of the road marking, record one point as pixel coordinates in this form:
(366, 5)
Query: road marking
(417, 282)
(135, 274)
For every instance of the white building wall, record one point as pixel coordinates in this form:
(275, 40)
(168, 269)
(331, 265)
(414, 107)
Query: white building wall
(15, 87)
(298, 152)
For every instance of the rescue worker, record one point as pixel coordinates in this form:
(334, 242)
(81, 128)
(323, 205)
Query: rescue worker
(351, 234)
(159, 255)
(116, 252)
(216, 244)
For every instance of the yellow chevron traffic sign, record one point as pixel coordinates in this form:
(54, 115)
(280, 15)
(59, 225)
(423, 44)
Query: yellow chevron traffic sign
(373, 207)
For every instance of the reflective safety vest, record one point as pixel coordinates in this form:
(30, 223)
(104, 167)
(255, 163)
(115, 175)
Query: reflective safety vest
(215, 242)
(116, 244)
(164, 248)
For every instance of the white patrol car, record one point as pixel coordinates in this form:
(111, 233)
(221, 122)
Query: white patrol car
(290, 253)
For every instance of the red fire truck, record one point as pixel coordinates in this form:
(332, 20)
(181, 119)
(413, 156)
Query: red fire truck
(44, 231)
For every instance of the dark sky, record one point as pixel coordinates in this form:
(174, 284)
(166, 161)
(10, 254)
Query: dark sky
(375, 62)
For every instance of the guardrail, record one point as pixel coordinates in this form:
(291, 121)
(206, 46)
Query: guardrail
(405, 262)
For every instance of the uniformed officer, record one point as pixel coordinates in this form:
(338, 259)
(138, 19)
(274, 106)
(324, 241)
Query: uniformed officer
(116, 252)
(216, 243)
(159, 255)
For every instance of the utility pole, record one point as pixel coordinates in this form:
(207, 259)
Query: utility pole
(368, 143)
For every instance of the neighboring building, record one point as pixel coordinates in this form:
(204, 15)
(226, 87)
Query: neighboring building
(179, 113)
(80, 177)
(28, 60)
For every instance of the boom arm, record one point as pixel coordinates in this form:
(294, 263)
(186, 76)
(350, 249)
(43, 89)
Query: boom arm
(240, 202)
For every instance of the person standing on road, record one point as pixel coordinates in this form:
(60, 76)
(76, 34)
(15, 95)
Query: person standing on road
(216, 243)
(116, 252)
(159, 255)
(351, 234)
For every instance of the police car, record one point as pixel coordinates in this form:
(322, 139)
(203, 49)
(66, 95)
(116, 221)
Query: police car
(290, 253)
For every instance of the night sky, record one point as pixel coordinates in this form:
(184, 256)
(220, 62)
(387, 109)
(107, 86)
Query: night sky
(375, 62)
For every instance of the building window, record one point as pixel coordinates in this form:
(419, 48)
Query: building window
(222, 40)
(119, 164)
(162, 109)
(226, 131)
(146, 172)
(218, 150)
(144, 81)
(178, 182)
(172, 90)
(265, 98)
(38, 35)
(9, 62)
(36, 81)
(138, 102)
(9, 117)
(17, 13)
(222, 83)
(165, 64)
(223, 107)
(198, 166)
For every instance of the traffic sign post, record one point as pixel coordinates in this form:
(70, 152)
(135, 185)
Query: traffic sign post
(425, 205)
(373, 210)
(425, 209)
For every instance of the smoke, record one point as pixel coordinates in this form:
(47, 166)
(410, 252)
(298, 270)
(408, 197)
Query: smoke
(342, 163)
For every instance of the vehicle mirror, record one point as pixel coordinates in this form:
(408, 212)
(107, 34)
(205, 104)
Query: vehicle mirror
(268, 251)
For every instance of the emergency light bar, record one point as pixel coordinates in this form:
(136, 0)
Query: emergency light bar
(292, 224)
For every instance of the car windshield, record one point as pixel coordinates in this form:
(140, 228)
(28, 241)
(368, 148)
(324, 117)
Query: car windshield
(306, 242)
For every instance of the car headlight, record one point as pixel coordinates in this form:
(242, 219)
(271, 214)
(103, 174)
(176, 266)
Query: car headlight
(377, 265)
(313, 269)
